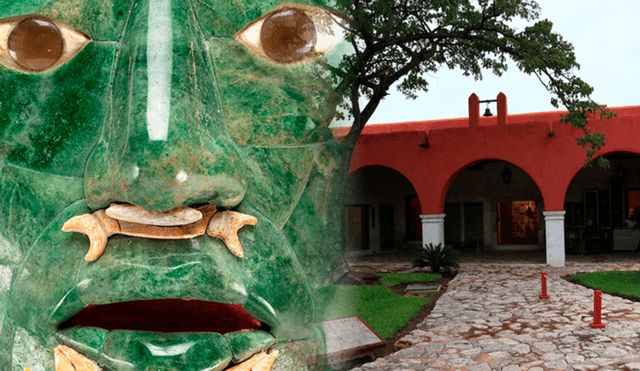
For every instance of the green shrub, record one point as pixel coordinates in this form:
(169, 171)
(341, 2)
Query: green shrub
(436, 257)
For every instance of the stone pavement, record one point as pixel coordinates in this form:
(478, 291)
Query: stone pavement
(491, 318)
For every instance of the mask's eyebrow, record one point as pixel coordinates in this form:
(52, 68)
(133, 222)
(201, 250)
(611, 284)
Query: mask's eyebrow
(159, 68)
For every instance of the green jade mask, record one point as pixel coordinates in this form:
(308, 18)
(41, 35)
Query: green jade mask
(165, 174)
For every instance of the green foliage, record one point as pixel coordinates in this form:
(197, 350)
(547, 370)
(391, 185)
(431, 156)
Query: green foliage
(436, 257)
(392, 279)
(618, 282)
(383, 310)
(405, 42)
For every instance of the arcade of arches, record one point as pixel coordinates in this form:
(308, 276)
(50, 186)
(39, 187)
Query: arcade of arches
(495, 183)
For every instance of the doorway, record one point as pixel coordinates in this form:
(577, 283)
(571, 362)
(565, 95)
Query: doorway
(518, 223)
(357, 228)
(633, 202)
(387, 228)
(473, 223)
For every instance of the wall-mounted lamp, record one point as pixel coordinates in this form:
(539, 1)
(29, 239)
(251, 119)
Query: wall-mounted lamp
(621, 172)
(487, 112)
(506, 175)
(426, 142)
(550, 133)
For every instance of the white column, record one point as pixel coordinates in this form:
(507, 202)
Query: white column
(432, 229)
(554, 226)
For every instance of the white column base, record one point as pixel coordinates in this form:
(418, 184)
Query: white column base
(432, 229)
(554, 231)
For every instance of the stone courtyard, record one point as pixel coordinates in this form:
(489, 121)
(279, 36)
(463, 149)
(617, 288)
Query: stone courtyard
(491, 318)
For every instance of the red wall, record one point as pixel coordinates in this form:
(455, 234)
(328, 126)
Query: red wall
(551, 161)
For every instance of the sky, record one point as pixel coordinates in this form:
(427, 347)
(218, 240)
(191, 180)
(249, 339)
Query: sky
(606, 39)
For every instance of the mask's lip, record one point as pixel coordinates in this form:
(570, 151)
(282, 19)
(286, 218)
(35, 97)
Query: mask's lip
(232, 335)
(236, 359)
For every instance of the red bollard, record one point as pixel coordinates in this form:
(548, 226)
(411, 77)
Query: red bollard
(597, 307)
(544, 286)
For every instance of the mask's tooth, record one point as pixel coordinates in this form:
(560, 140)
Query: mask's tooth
(266, 363)
(259, 362)
(233, 244)
(89, 225)
(108, 224)
(248, 364)
(181, 215)
(224, 225)
(62, 363)
(96, 247)
(67, 359)
(78, 223)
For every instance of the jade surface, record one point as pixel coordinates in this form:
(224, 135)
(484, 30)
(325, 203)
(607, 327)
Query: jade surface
(179, 107)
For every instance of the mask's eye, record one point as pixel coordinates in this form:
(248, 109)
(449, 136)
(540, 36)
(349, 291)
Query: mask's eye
(293, 34)
(35, 43)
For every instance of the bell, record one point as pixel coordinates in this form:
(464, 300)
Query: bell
(487, 113)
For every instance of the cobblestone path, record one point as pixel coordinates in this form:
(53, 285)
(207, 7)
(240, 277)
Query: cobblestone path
(491, 318)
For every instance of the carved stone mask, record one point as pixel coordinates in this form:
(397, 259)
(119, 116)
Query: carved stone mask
(165, 175)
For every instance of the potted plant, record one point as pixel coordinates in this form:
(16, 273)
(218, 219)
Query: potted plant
(437, 257)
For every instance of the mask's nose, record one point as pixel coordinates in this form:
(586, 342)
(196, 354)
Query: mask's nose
(165, 142)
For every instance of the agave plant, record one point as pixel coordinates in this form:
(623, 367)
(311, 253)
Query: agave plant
(436, 257)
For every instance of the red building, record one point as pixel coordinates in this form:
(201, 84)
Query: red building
(495, 183)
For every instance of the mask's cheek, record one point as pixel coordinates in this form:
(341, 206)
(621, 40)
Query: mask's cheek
(277, 176)
(278, 288)
(29, 201)
(271, 105)
(50, 121)
(44, 291)
(314, 227)
(292, 187)
(309, 224)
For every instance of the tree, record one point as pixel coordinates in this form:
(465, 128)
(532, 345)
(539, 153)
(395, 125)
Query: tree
(401, 41)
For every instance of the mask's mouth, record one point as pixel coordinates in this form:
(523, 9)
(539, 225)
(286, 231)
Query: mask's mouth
(167, 315)
(179, 223)
(178, 331)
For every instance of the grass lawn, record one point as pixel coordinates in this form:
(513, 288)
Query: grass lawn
(392, 279)
(383, 310)
(618, 282)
